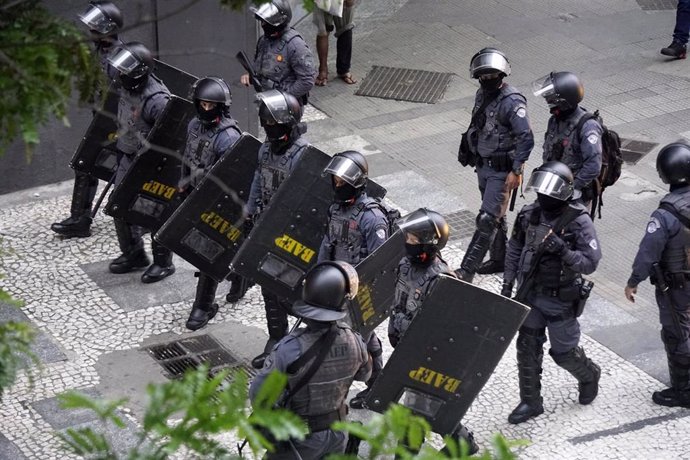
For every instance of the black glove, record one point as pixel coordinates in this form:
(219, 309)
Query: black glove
(393, 339)
(553, 244)
(507, 289)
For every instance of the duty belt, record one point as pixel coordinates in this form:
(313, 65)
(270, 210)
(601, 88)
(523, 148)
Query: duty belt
(499, 162)
(324, 421)
(675, 280)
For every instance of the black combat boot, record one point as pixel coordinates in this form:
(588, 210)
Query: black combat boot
(258, 361)
(497, 252)
(78, 224)
(530, 354)
(583, 369)
(162, 266)
(132, 247)
(476, 251)
(461, 433)
(239, 285)
(203, 309)
(676, 49)
(679, 393)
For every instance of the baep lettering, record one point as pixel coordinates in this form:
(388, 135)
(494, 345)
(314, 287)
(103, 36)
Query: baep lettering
(221, 225)
(366, 304)
(161, 190)
(295, 248)
(435, 379)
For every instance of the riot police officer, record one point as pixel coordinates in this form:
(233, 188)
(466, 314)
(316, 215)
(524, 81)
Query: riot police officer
(500, 139)
(663, 254)
(143, 97)
(209, 135)
(282, 60)
(357, 225)
(426, 233)
(104, 20)
(552, 244)
(570, 138)
(280, 114)
(318, 377)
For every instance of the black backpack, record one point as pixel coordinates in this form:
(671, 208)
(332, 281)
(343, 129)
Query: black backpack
(611, 161)
(392, 214)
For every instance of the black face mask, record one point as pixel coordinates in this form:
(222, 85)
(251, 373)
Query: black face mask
(208, 117)
(550, 204)
(561, 114)
(345, 193)
(277, 132)
(132, 84)
(419, 254)
(269, 30)
(491, 85)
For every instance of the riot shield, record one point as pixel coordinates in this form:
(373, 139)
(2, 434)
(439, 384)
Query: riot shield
(206, 229)
(96, 154)
(147, 196)
(377, 277)
(448, 353)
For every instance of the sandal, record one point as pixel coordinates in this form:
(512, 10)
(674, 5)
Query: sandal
(348, 78)
(322, 79)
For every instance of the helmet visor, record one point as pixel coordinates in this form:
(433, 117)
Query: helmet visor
(489, 63)
(269, 13)
(345, 169)
(96, 20)
(277, 106)
(548, 183)
(543, 86)
(419, 224)
(124, 61)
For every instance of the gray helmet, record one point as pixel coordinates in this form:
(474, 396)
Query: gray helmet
(132, 59)
(560, 89)
(553, 179)
(427, 225)
(277, 13)
(279, 107)
(350, 166)
(102, 17)
(212, 89)
(487, 61)
(673, 163)
(327, 287)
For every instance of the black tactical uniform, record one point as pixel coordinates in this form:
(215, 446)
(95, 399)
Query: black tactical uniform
(209, 135)
(280, 114)
(321, 361)
(666, 243)
(500, 139)
(103, 19)
(553, 243)
(357, 226)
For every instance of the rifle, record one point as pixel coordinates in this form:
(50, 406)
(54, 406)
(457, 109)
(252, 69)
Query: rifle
(246, 63)
(660, 283)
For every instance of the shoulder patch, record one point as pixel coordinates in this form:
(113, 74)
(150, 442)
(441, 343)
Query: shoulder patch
(521, 112)
(593, 138)
(593, 244)
(381, 233)
(653, 225)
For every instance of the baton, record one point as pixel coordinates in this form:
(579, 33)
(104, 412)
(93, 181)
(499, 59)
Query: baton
(246, 63)
(666, 293)
(513, 197)
(102, 197)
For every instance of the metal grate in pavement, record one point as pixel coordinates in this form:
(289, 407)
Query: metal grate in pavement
(179, 356)
(633, 151)
(461, 223)
(404, 84)
(658, 4)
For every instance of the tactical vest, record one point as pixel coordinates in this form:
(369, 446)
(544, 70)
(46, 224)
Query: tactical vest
(674, 259)
(201, 152)
(271, 61)
(411, 289)
(327, 389)
(496, 135)
(345, 231)
(131, 124)
(552, 272)
(275, 168)
(562, 141)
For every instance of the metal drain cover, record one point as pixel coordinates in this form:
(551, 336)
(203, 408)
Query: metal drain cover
(461, 223)
(404, 84)
(633, 150)
(658, 4)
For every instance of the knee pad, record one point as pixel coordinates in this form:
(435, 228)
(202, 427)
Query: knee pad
(486, 222)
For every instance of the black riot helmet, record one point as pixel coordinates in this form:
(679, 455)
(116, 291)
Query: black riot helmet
(326, 289)
(278, 107)
(673, 163)
(489, 61)
(351, 167)
(562, 90)
(211, 89)
(553, 182)
(428, 226)
(103, 18)
(275, 16)
(134, 62)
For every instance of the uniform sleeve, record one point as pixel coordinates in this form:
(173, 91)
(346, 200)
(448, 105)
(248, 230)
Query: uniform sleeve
(544, 157)
(376, 226)
(515, 245)
(590, 148)
(283, 354)
(661, 227)
(255, 189)
(225, 140)
(586, 253)
(364, 372)
(154, 106)
(302, 64)
(521, 129)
